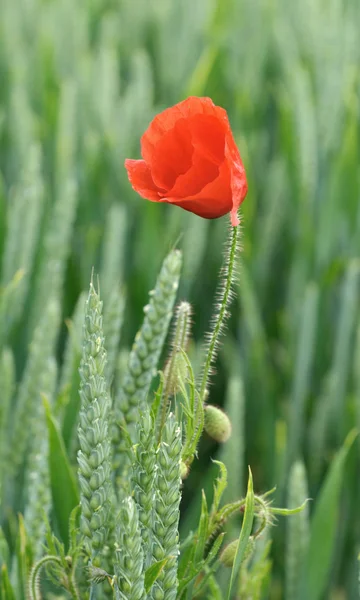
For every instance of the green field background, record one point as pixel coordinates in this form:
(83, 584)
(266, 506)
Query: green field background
(79, 82)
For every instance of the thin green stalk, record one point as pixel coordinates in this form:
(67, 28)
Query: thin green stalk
(224, 300)
(297, 535)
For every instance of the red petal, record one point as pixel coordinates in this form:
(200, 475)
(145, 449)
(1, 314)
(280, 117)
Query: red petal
(208, 137)
(201, 172)
(141, 180)
(167, 119)
(214, 200)
(239, 185)
(172, 155)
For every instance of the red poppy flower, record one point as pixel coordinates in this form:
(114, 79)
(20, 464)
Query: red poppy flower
(190, 159)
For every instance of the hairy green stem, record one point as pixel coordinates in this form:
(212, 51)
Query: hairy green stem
(34, 593)
(225, 296)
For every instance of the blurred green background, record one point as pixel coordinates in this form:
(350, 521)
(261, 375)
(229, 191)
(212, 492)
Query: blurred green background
(79, 82)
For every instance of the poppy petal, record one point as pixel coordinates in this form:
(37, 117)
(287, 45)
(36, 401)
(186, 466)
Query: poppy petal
(172, 155)
(214, 200)
(239, 185)
(141, 180)
(167, 119)
(208, 137)
(201, 172)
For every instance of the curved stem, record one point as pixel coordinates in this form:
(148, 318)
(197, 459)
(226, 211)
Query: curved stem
(229, 269)
(72, 587)
(34, 593)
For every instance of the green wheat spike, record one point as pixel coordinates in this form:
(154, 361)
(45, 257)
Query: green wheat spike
(26, 412)
(143, 480)
(112, 264)
(25, 206)
(7, 387)
(129, 558)
(73, 344)
(113, 320)
(176, 367)
(37, 481)
(166, 513)
(121, 368)
(318, 430)
(56, 248)
(21, 120)
(343, 344)
(147, 347)
(304, 364)
(66, 133)
(297, 538)
(357, 377)
(94, 456)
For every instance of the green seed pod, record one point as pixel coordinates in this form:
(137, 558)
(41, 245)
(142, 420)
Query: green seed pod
(228, 554)
(217, 424)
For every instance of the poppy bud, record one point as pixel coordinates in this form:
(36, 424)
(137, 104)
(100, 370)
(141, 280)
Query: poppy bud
(184, 470)
(175, 372)
(216, 423)
(228, 554)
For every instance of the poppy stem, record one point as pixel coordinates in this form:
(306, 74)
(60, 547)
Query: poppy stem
(224, 300)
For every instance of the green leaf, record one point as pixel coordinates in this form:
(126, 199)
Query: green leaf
(244, 533)
(200, 541)
(4, 549)
(215, 592)
(63, 485)
(324, 527)
(202, 530)
(22, 561)
(157, 397)
(153, 572)
(215, 549)
(74, 526)
(7, 591)
(220, 486)
(286, 512)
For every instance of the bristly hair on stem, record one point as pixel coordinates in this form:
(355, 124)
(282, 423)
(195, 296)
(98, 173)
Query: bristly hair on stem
(224, 297)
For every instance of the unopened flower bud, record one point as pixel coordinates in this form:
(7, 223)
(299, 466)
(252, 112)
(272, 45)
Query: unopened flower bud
(228, 554)
(217, 424)
(175, 372)
(184, 470)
